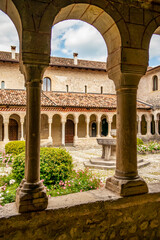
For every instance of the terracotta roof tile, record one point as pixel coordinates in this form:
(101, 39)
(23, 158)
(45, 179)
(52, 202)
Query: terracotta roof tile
(18, 98)
(59, 99)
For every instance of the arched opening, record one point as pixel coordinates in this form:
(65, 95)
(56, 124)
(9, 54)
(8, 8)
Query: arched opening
(81, 126)
(44, 126)
(56, 130)
(153, 125)
(93, 126)
(69, 132)
(13, 129)
(1, 128)
(155, 83)
(113, 125)
(94, 129)
(104, 127)
(143, 125)
(46, 84)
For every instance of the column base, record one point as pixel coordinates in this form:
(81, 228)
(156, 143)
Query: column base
(127, 187)
(31, 197)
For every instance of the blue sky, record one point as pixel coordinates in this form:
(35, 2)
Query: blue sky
(72, 36)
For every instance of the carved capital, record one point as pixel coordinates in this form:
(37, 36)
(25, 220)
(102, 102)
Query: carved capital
(33, 73)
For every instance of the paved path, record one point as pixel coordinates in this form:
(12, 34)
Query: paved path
(150, 173)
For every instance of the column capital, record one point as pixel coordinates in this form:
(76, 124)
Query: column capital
(33, 73)
(49, 120)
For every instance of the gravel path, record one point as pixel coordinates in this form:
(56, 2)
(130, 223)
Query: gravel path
(150, 173)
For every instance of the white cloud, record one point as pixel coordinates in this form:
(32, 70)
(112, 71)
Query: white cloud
(154, 50)
(76, 36)
(8, 33)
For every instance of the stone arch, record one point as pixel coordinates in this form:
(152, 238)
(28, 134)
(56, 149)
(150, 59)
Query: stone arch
(69, 129)
(14, 128)
(114, 121)
(1, 128)
(11, 10)
(103, 16)
(82, 126)
(152, 124)
(56, 131)
(143, 124)
(104, 125)
(44, 126)
(93, 125)
(151, 27)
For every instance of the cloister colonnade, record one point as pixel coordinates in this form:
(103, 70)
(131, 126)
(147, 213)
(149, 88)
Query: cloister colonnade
(127, 28)
(53, 127)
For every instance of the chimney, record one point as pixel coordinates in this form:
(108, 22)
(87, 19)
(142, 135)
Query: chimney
(13, 52)
(75, 55)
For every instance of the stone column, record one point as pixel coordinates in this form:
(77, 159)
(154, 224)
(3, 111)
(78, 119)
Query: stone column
(31, 195)
(126, 181)
(139, 128)
(63, 131)
(156, 127)
(148, 127)
(109, 128)
(76, 128)
(87, 127)
(22, 132)
(6, 125)
(50, 129)
(98, 127)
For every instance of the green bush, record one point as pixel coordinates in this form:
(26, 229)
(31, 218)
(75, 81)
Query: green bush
(139, 141)
(15, 147)
(55, 165)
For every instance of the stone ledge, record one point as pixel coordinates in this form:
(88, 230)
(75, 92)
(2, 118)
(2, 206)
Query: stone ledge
(85, 216)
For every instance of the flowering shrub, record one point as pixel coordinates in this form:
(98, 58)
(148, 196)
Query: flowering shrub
(79, 181)
(55, 165)
(15, 147)
(151, 147)
(5, 159)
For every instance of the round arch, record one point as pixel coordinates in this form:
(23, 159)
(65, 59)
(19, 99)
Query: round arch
(11, 10)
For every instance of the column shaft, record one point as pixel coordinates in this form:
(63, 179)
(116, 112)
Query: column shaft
(50, 129)
(126, 165)
(98, 128)
(33, 129)
(22, 133)
(109, 128)
(6, 137)
(63, 133)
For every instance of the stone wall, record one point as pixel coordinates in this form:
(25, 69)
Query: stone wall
(93, 215)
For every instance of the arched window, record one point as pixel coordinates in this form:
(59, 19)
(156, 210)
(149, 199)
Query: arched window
(46, 84)
(3, 85)
(155, 83)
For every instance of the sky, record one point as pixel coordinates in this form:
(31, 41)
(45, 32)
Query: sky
(72, 36)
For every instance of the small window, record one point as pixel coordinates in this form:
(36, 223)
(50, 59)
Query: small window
(101, 90)
(155, 83)
(67, 88)
(85, 89)
(3, 85)
(46, 84)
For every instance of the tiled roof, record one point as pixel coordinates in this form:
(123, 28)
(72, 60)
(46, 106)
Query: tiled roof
(61, 99)
(18, 98)
(60, 62)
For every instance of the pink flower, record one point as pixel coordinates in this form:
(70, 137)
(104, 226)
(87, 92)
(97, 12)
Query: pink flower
(65, 184)
(69, 185)
(57, 192)
(0, 205)
(60, 183)
(42, 180)
(68, 181)
(90, 186)
(64, 187)
(79, 183)
(81, 190)
(49, 195)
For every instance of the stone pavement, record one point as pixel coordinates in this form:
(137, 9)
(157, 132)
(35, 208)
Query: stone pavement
(150, 173)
